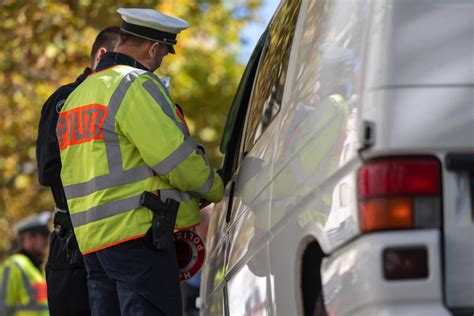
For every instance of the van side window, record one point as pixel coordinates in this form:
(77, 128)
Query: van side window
(271, 76)
(231, 138)
(326, 82)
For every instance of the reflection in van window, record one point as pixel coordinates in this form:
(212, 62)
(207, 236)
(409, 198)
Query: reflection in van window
(326, 83)
(271, 76)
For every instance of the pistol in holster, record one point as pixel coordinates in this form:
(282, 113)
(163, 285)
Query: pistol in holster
(62, 222)
(164, 219)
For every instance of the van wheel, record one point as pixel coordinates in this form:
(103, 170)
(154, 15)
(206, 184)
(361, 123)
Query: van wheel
(313, 303)
(319, 309)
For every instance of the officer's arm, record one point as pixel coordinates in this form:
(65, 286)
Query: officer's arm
(147, 120)
(47, 149)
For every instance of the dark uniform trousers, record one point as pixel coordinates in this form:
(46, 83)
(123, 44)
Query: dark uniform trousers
(133, 279)
(66, 277)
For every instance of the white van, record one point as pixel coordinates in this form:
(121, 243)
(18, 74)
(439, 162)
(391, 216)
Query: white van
(349, 165)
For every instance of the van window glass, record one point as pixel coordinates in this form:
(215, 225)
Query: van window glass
(235, 120)
(326, 83)
(242, 96)
(271, 76)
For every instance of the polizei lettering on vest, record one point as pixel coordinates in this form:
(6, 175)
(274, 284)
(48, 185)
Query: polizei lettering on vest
(81, 125)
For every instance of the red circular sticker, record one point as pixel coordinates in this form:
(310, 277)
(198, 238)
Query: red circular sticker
(190, 251)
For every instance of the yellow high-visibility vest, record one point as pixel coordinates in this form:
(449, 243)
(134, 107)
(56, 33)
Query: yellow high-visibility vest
(121, 134)
(22, 288)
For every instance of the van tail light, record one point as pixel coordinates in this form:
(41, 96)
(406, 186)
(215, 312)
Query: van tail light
(399, 193)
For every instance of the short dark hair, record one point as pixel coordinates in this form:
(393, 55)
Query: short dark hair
(107, 38)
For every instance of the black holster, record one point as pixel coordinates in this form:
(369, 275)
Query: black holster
(62, 219)
(65, 244)
(164, 219)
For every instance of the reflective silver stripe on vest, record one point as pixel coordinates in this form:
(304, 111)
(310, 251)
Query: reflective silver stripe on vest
(176, 157)
(161, 84)
(159, 98)
(207, 185)
(167, 92)
(175, 195)
(107, 181)
(116, 176)
(121, 206)
(105, 210)
(3, 289)
(114, 156)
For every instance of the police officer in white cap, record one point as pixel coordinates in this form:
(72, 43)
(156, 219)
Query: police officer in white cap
(147, 36)
(33, 233)
(22, 282)
(125, 138)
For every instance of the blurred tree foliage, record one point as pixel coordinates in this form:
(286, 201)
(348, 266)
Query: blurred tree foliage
(47, 43)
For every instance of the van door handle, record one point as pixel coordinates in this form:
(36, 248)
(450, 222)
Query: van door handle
(460, 162)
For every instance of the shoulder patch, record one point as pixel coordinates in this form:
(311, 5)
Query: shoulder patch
(59, 105)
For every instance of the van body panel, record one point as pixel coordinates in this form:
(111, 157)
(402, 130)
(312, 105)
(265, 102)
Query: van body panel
(251, 191)
(354, 284)
(246, 239)
(418, 120)
(285, 267)
(249, 289)
(213, 273)
(421, 43)
(213, 270)
(214, 304)
(217, 224)
(250, 215)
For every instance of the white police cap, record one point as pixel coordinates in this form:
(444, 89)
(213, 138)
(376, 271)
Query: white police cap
(39, 223)
(152, 25)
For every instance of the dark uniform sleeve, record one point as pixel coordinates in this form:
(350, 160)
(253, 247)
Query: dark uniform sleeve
(47, 149)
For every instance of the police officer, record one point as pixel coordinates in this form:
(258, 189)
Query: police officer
(65, 272)
(120, 135)
(22, 284)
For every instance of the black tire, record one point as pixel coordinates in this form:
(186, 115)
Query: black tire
(313, 303)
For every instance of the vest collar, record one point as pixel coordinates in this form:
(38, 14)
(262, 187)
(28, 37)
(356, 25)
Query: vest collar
(87, 71)
(111, 59)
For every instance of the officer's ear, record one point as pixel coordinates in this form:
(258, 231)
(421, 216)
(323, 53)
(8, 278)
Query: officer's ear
(98, 55)
(153, 49)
